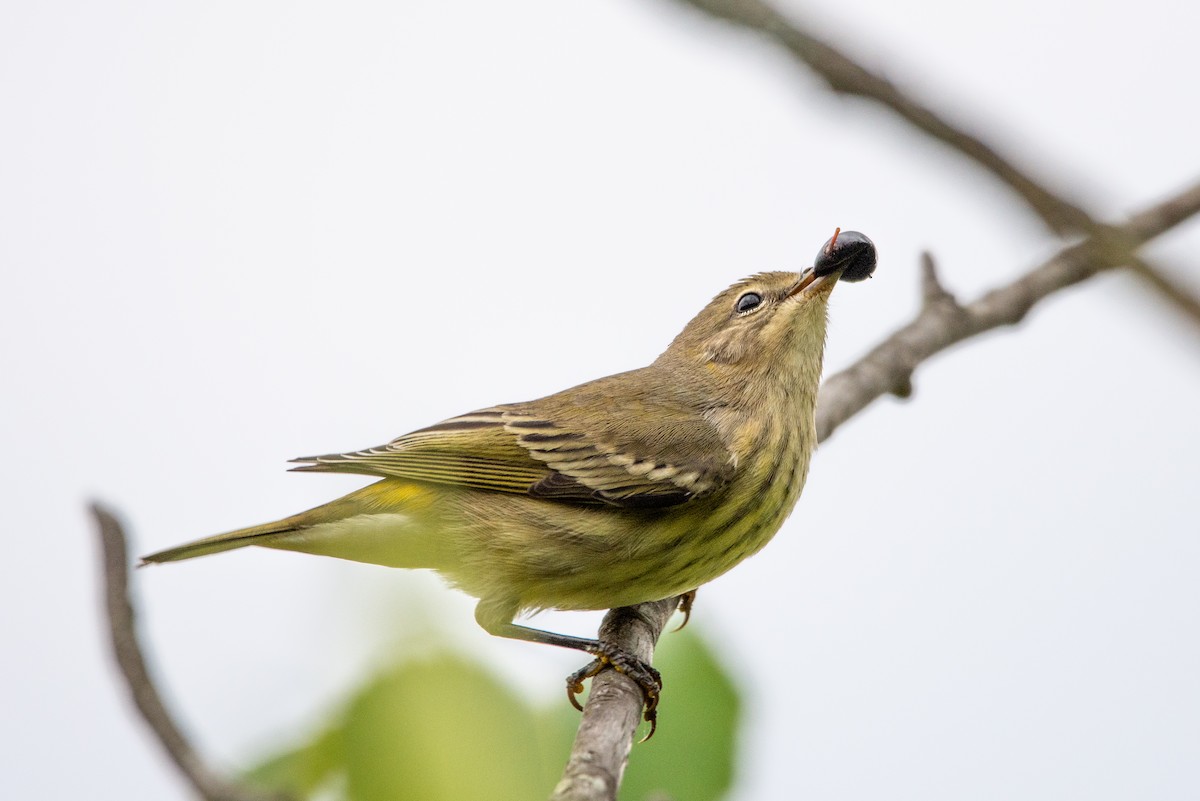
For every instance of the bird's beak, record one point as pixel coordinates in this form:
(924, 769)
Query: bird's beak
(812, 284)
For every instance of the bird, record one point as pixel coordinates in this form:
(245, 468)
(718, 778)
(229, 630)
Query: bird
(635, 487)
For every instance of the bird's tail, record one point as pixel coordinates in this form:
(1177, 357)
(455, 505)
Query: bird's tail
(392, 522)
(254, 535)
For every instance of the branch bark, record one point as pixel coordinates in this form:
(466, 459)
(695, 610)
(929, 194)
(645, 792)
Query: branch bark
(614, 707)
(122, 621)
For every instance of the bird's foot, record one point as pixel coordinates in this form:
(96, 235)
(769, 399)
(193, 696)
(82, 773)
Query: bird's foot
(645, 676)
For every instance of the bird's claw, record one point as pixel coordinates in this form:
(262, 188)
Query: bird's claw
(575, 681)
(686, 601)
(642, 674)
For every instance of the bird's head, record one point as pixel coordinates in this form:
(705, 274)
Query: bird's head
(772, 323)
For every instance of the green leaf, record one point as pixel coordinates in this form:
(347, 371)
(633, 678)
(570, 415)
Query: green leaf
(303, 771)
(442, 729)
(445, 729)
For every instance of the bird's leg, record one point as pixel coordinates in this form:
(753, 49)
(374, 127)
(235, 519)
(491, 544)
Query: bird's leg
(498, 621)
(685, 605)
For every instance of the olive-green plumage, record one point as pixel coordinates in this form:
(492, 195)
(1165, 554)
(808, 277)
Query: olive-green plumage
(630, 488)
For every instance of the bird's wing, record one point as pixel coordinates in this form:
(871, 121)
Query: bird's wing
(639, 454)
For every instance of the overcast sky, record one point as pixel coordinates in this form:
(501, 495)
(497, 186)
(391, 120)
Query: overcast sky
(235, 233)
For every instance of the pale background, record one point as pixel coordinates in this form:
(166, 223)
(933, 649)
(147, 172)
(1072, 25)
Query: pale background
(234, 233)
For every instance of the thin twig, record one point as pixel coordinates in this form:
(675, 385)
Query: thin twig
(1157, 278)
(132, 664)
(846, 76)
(888, 367)
(614, 707)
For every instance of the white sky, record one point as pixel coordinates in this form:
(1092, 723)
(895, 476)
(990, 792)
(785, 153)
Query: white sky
(234, 233)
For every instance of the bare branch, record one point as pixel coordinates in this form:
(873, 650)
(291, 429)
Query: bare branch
(132, 664)
(888, 368)
(846, 76)
(614, 707)
(1155, 277)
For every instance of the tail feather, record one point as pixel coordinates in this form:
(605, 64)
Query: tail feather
(391, 522)
(254, 535)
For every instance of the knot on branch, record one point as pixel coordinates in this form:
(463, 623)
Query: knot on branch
(935, 298)
(903, 387)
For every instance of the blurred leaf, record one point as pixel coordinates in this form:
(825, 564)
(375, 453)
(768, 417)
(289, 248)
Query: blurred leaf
(441, 729)
(305, 770)
(445, 729)
(691, 756)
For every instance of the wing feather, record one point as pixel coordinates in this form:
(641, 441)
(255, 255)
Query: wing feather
(641, 452)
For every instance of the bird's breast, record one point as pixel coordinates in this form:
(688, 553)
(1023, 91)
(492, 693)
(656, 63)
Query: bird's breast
(712, 535)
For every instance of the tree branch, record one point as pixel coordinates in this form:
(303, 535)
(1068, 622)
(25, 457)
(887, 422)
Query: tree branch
(614, 707)
(942, 322)
(1155, 277)
(132, 664)
(846, 76)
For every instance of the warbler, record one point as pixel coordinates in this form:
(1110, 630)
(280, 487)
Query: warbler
(635, 487)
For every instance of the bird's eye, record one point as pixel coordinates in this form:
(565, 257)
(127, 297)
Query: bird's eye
(748, 302)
